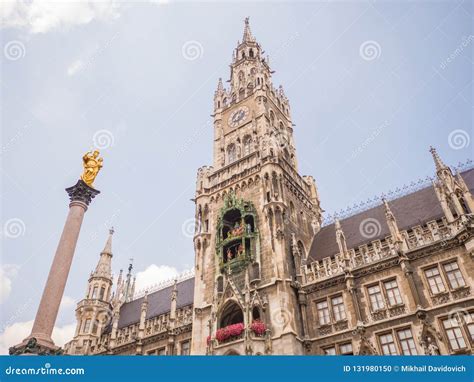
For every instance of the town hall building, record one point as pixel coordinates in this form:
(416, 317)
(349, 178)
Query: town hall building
(272, 276)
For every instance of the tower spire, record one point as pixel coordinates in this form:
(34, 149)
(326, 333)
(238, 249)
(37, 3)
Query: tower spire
(247, 37)
(438, 162)
(108, 244)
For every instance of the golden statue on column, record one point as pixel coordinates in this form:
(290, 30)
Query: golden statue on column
(92, 165)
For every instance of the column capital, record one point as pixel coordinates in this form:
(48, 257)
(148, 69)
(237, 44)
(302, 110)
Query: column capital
(82, 193)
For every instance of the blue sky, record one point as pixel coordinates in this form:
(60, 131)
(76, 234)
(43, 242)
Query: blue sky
(371, 86)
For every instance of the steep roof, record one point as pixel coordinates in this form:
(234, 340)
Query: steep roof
(159, 302)
(410, 210)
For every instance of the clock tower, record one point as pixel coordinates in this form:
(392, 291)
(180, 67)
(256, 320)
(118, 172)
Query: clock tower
(255, 219)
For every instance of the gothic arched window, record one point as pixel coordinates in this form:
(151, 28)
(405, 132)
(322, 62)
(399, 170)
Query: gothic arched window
(232, 314)
(247, 145)
(231, 153)
(272, 117)
(251, 53)
(292, 211)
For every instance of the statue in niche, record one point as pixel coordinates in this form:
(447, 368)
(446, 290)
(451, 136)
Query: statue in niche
(249, 228)
(230, 255)
(432, 348)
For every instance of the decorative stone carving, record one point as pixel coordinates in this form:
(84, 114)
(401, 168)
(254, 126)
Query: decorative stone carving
(81, 192)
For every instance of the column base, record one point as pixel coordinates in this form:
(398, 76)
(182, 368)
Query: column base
(36, 346)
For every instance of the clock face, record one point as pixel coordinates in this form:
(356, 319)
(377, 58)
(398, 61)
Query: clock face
(238, 116)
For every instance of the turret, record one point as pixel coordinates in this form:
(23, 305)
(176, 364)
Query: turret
(455, 198)
(93, 312)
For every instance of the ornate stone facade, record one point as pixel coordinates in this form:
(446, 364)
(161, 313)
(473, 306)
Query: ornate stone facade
(270, 278)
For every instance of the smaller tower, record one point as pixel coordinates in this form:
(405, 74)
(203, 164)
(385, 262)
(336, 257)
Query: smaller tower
(94, 312)
(452, 193)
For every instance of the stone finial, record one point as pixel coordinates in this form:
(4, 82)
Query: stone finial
(108, 244)
(220, 86)
(392, 222)
(438, 162)
(340, 237)
(247, 37)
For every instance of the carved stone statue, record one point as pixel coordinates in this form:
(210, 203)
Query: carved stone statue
(432, 347)
(92, 165)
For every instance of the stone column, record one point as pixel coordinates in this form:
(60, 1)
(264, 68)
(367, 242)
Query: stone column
(39, 341)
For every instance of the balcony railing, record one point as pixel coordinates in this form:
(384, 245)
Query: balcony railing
(415, 238)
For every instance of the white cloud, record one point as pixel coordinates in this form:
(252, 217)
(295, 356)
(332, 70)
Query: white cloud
(75, 67)
(67, 302)
(17, 332)
(40, 16)
(7, 272)
(154, 274)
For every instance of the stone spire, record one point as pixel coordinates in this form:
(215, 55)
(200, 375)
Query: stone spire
(104, 265)
(247, 37)
(220, 85)
(340, 238)
(108, 244)
(174, 300)
(392, 223)
(128, 283)
(456, 198)
(438, 162)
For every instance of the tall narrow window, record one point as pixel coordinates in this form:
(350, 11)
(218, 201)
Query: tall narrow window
(185, 348)
(388, 345)
(454, 334)
(94, 292)
(454, 275)
(323, 313)
(87, 326)
(434, 280)
(102, 293)
(231, 153)
(393, 293)
(470, 324)
(338, 308)
(376, 298)
(247, 145)
(406, 342)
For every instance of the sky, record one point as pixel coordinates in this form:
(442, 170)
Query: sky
(371, 86)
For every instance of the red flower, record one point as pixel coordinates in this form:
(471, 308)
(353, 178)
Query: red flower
(229, 331)
(258, 327)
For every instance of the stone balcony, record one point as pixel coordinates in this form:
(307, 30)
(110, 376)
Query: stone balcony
(433, 232)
